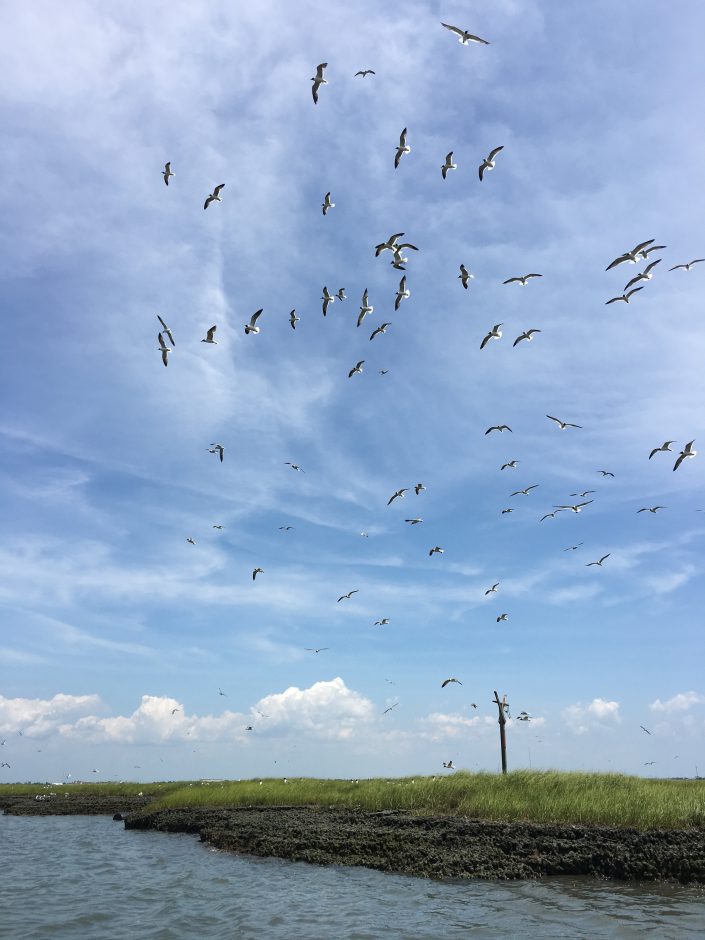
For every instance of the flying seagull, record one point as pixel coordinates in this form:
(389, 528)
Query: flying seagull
(382, 622)
(686, 452)
(644, 729)
(190, 540)
(419, 488)
(214, 196)
(512, 465)
(364, 72)
(252, 327)
(347, 596)
(563, 424)
(327, 299)
(605, 473)
(489, 161)
(494, 333)
(526, 491)
(293, 319)
(523, 279)
(389, 245)
(577, 507)
(644, 275)
(166, 172)
(402, 294)
(165, 350)
(598, 563)
(465, 276)
(583, 494)
(499, 427)
(294, 466)
(448, 681)
(505, 511)
(688, 266)
(549, 515)
(166, 330)
(449, 765)
(398, 495)
(413, 521)
(220, 691)
(285, 528)
(573, 548)
(365, 307)
(318, 80)
(257, 571)
(502, 617)
(387, 710)
(527, 334)
(217, 449)
(209, 336)
(448, 165)
(666, 446)
(624, 297)
(173, 712)
(493, 589)
(437, 550)
(356, 369)
(464, 35)
(311, 649)
(327, 204)
(650, 509)
(402, 148)
(340, 294)
(643, 255)
(216, 527)
(380, 329)
(630, 256)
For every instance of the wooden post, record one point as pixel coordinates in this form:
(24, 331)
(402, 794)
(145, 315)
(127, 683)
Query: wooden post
(501, 707)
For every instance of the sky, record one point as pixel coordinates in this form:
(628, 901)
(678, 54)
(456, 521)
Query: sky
(128, 652)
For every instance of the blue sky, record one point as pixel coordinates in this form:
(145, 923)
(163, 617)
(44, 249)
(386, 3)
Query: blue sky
(111, 619)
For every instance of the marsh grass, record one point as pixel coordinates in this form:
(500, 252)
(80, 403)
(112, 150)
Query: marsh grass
(88, 790)
(527, 796)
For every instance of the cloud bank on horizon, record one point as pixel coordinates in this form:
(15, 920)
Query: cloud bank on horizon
(104, 459)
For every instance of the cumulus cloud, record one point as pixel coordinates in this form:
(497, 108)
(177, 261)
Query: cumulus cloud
(37, 717)
(438, 726)
(679, 703)
(329, 709)
(598, 713)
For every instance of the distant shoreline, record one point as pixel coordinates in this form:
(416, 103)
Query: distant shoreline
(438, 846)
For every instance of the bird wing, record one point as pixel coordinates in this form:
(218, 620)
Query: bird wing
(208, 201)
(519, 339)
(633, 291)
(402, 138)
(532, 275)
(255, 317)
(493, 153)
(485, 341)
(314, 92)
(511, 280)
(620, 260)
(216, 191)
(161, 340)
(454, 29)
(677, 266)
(482, 170)
(652, 265)
(210, 333)
(634, 280)
(604, 557)
(642, 245)
(557, 420)
(319, 73)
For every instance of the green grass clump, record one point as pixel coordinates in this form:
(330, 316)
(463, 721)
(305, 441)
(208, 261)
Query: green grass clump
(88, 790)
(526, 796)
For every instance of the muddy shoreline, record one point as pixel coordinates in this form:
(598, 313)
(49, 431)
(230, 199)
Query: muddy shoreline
(424, 846)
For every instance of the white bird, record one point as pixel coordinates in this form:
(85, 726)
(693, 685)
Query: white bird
(190, 540)
(402, 148)
(340, 294)
(413, 521)
(598, 563)
(449, 765)
(502, 617)
(644, 275)
(398, 260)
(506, 511)
(318, 80)
(666, 446)
(494, 333)
(217, 449)
(630, 256)
(493, 589)
(448, 681)
(549, 515)
(327, 299)
(365, 307)
(257, 571)
(448, 165)
(209, 336)
(327, 204)
(688, 266)
(166, 330)
(364, 72)
(380, 329)
(166, 173)
(285, 528)
(437, 550)
(165, 350)
(465, 276)
(252, 327)
(653, 509)
(489, 161)
(605, 473)
(389, 245)
(294, 466)
(527, 334)
(216, 527)
(583, 494)
(577, 507)
(465, 36)
(347, 596)
(293, 319)
(624, 297)
(499, 427)
(398, 495)
(356, 369)
(563, 424)
(512, 465)
(526, 491)
(419, 488)
(214, 196)
(686, 452)
(643, 255)
(402, 293)
(523, 279)
(382, 622)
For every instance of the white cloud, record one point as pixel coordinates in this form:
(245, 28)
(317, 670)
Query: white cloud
(37, 717)
(598, 713)
(438, 726)
(329, 709)
(679, 703)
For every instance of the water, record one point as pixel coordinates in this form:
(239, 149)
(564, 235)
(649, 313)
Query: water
(86, 878)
